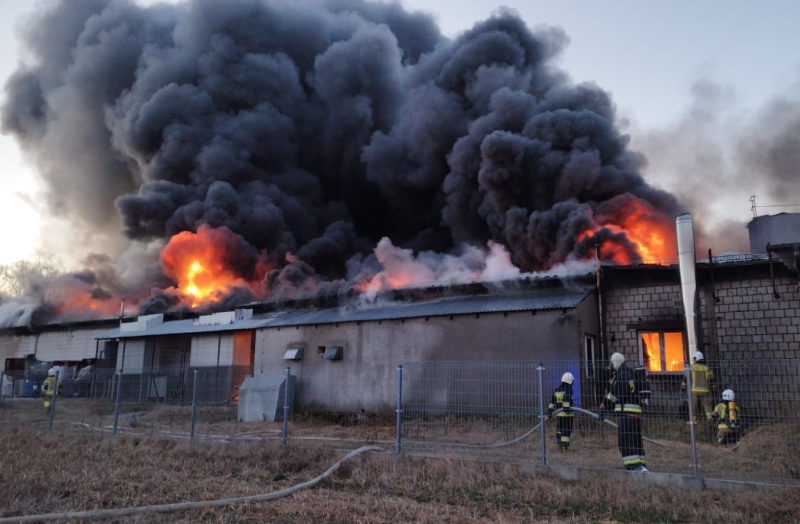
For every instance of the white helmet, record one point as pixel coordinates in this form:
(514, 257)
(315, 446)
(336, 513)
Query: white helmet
(728, 395)
(698, 356)
(51, 372)
(616, 360)
(568, 378)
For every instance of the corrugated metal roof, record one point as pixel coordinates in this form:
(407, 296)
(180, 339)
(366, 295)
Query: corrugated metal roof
(182, 327)
(533, 300)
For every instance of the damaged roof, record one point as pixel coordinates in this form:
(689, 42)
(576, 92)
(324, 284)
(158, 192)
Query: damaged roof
(533, 300)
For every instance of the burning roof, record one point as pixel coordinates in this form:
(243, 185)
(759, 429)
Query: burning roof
(275, 149)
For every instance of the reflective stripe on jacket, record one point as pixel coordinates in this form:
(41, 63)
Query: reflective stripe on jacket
(623, 392)
(562, 399)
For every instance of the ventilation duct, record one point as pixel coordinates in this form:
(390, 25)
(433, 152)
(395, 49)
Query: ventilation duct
(686, 260)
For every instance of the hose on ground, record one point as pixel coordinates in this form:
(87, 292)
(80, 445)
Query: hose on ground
(510, 442)
(534, 428)
(595, 415)
(182, 506)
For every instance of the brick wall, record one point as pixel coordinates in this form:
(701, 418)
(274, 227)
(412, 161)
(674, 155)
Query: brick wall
(753, 324)
(747, 325)
(747, 322)
(629, 307)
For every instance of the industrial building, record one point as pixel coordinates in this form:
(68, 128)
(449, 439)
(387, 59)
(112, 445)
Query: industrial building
(344, 358)
(747, 307)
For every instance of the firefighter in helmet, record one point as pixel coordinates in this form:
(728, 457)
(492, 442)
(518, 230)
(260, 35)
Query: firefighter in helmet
(727, 415)
(702, 382)
(562, 399)
(625, 396)
(50, 387)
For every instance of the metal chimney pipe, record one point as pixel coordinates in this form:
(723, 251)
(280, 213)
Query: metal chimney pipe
(686, 261)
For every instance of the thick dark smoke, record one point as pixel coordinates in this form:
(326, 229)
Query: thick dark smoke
(314, 129)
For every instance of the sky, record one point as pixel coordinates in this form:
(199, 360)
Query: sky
(649, 55)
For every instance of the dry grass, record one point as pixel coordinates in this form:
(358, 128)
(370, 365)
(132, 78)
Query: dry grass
(70, 472)
(770, 454)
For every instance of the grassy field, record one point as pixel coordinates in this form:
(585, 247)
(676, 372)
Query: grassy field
(58, 472)
(767, 454)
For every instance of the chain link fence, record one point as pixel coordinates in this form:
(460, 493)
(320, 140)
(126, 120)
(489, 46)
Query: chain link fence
(481, 410)
(493, 410)
(173, 402)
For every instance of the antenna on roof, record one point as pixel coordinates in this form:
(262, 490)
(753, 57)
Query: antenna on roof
(753, 206)
(122, 309)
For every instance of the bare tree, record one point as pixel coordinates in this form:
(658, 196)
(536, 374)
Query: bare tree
(24, 276)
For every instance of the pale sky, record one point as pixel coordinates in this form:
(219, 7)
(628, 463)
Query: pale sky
(647, 54)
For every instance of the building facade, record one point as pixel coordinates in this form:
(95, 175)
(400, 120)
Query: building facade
(749, 311)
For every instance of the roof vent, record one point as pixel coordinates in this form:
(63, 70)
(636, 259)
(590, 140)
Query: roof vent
(223, 318)
(243, 314)
(142, 323)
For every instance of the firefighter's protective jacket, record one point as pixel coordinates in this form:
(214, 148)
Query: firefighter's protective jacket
(562, 399)
(624, 392)
(702, 377)
(727, 414)
(48, 388)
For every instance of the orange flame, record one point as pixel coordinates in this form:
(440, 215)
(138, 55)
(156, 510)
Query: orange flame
(201, 264)
(650, 232)
(82, 305)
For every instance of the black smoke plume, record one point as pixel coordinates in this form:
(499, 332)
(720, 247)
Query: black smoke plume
(314, 129)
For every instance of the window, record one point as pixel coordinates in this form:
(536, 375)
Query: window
(662, 351)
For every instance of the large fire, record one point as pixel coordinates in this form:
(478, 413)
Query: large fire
(651, 233)
(75, 300)
(209, 264)
(202, 264)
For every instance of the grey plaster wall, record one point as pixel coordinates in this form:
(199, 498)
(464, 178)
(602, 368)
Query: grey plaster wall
(366, 377)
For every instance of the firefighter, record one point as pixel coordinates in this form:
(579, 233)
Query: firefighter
(50, 387)
(625, 396)
(702, 382)
(727, 413)
(562, 399)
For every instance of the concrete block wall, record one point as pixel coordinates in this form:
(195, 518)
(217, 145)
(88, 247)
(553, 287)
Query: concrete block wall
(629, 305)
(747, 325)
(754, 324)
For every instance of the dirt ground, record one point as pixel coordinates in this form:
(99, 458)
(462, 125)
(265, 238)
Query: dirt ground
(766, 454)
(66, 471)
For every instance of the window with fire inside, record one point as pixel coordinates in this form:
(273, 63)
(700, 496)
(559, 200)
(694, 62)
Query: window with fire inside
(662, 351)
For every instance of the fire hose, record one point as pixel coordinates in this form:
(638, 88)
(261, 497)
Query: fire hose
(182, 506)
(534, 428)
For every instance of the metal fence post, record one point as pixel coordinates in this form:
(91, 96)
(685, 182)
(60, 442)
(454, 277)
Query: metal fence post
(53, 402)
(539, 372)
(194, 403)
(688, 372)
(398, 444)
(116, 405)
(285, 432)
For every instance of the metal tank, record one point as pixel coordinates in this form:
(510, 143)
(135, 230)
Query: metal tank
(774, 230)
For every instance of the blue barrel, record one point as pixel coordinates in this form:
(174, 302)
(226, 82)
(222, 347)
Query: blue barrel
(32, 389)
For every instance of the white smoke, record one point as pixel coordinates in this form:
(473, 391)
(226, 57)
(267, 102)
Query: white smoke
(401, 269)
